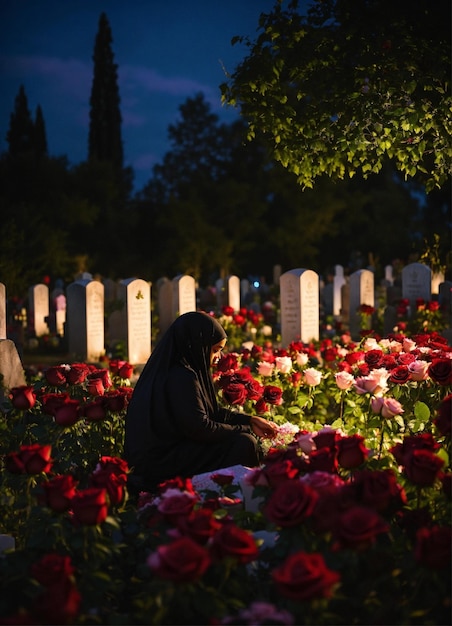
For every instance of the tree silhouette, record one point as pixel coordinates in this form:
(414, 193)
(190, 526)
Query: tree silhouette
(105, 142)
(21, 133)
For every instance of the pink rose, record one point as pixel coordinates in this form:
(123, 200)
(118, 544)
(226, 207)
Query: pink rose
(312, 376)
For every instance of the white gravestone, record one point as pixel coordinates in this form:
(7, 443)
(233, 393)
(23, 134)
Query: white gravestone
(389, 276)
(416, 283)
(299, 306)
(338, 282)
(184, 295)
(38, 302)
(85, 319)
(136, 295)
(2, 311)
(361, 292)
(233, 292)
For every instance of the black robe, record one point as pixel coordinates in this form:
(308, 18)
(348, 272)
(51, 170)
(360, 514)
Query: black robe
(174, 426)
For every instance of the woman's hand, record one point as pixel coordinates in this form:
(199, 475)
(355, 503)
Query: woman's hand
(263, 428)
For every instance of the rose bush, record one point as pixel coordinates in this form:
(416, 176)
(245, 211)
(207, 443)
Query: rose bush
(350, 509)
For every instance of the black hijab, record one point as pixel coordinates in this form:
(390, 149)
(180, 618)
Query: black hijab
(187, 342)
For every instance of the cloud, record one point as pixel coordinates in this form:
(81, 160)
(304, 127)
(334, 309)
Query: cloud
(69, 75)
(151, 81)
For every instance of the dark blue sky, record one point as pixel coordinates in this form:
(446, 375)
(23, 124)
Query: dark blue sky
(166, 51)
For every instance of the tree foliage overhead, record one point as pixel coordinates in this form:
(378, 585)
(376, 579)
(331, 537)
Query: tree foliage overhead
(350, 84)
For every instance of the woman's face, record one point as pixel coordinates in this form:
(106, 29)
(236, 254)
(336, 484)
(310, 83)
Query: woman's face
(215, 351)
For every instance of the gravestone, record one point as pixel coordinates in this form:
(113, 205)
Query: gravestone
(38, 304)
(299, 306)
(277, 271)
(11, 368)
(136, 295)
(184, 295)
(228, 292)
(85, 319)
(389, 276)
(2, 311)
(361, 292)
(60, 314)
(164, 304)
(437, 279)
(338, 282)
(416, 283)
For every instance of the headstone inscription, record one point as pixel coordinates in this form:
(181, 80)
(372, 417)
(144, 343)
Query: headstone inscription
(416, 284)
(184, 295)
(299, 290)
(136, 295)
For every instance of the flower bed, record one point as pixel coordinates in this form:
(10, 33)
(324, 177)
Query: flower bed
(348, 521)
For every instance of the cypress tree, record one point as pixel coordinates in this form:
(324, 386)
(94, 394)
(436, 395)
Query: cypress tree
(105, 142)
(40, 138)
(21, 134)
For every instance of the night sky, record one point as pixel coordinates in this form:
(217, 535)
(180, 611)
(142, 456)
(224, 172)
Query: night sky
(166, 51)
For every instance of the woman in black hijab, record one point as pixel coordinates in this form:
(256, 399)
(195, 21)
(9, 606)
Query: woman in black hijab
(174, 426)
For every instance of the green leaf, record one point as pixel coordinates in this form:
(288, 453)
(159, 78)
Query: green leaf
(421, 411)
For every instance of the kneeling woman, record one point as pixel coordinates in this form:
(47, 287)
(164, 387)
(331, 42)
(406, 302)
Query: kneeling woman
(174, 426)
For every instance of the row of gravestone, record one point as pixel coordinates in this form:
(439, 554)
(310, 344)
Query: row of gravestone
(79, 312)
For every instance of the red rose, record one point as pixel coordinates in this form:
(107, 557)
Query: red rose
(116, 400)
(261, 406)
(227, 363)
(96, 387)
(50, 401)
(200, 525)
(58, 492)
(358, 528)
(290, 503)
(51, 568)
(175, 506)
(304, 577)
(32, 459)
(440, 371)
(323, 460)
(56, 375)
(126, 370)
(254, 389)
(227, 310)
(400, 375)
(443, 420)
(276, 473)
(113, 464)
(95, 411)
(103, 375)
(373, 358)
(183, 560)
(113, 483)
(23, 397)
(77, 373)
(378, 489)
(273, 394)
(235, 393)
(351, 452)
(433, 547)
(90, 506)
(222, 479)
(67, 413)
(233, 541)
(58, 604)
(422, 441)
(422, 467)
